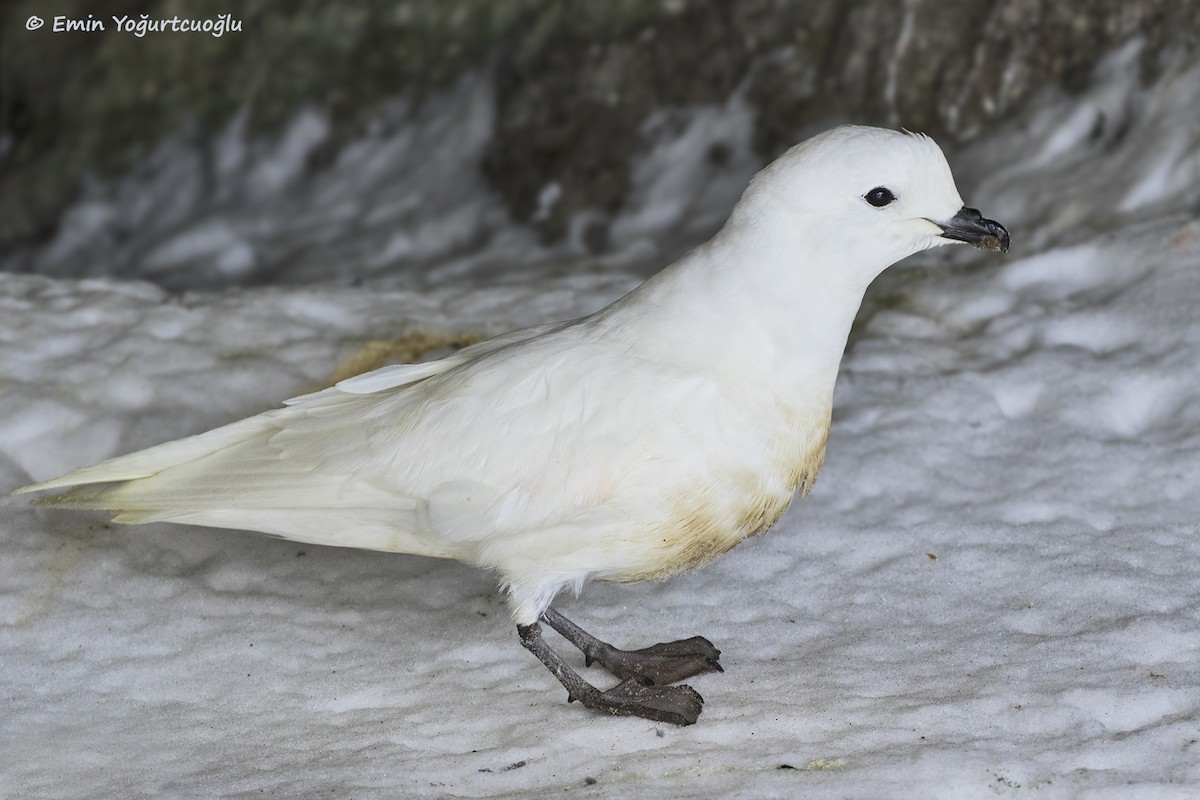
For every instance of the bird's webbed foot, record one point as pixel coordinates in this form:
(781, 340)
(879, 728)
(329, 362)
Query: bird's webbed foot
(633, 697)
(680, 705)
(661, 664)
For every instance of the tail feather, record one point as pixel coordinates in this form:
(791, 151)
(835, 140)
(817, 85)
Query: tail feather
(153, 460)
(244, 476)
(388, 530)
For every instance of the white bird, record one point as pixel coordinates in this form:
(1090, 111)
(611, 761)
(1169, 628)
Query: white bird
(632, 444)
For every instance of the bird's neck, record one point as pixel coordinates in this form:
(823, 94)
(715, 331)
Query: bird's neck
(756, 302)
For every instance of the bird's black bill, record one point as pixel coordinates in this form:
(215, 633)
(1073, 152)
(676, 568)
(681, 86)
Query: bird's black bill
(969, 226)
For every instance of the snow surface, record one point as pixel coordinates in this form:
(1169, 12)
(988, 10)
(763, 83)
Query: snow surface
(993, 590)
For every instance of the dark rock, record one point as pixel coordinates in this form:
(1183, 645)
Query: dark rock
(571, 112)
(575, 81)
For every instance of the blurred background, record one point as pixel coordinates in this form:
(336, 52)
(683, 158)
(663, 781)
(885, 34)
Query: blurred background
(407, 143)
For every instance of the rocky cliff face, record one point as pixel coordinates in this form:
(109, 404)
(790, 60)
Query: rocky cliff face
(569, 110)
(574, 82)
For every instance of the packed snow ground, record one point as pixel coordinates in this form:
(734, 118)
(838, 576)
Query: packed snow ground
(993, 590)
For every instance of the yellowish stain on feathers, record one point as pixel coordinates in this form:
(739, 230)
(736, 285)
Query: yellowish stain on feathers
(414, 346)
(804, 472)
(700, 529)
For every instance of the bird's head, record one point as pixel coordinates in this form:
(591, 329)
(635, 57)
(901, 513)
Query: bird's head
(866, 198)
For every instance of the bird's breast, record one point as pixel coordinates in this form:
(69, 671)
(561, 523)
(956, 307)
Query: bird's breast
(736, 500)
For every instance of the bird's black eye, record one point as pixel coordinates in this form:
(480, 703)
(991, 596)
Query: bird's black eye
(880, 196)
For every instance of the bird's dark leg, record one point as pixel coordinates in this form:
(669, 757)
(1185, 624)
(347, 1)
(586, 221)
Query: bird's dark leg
(661, 664)
(635, 697)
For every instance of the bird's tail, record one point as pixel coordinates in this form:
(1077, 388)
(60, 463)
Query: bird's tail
(84, 492)
(239, 476)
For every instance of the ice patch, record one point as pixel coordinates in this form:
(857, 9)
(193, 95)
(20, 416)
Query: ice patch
(1058, 273)
(1016, 400)
(214, 241)
(697, 167)
(1130, 712)
(1141, 403)
(279, 169)
(1098, 332)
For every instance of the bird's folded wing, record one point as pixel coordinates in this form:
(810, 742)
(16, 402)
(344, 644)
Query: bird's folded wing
(151, 461)
(527, 441)
(398, 375)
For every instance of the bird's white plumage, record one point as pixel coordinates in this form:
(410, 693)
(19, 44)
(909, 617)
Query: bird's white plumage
(630, 444)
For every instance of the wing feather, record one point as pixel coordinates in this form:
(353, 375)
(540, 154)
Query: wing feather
(497, 447)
